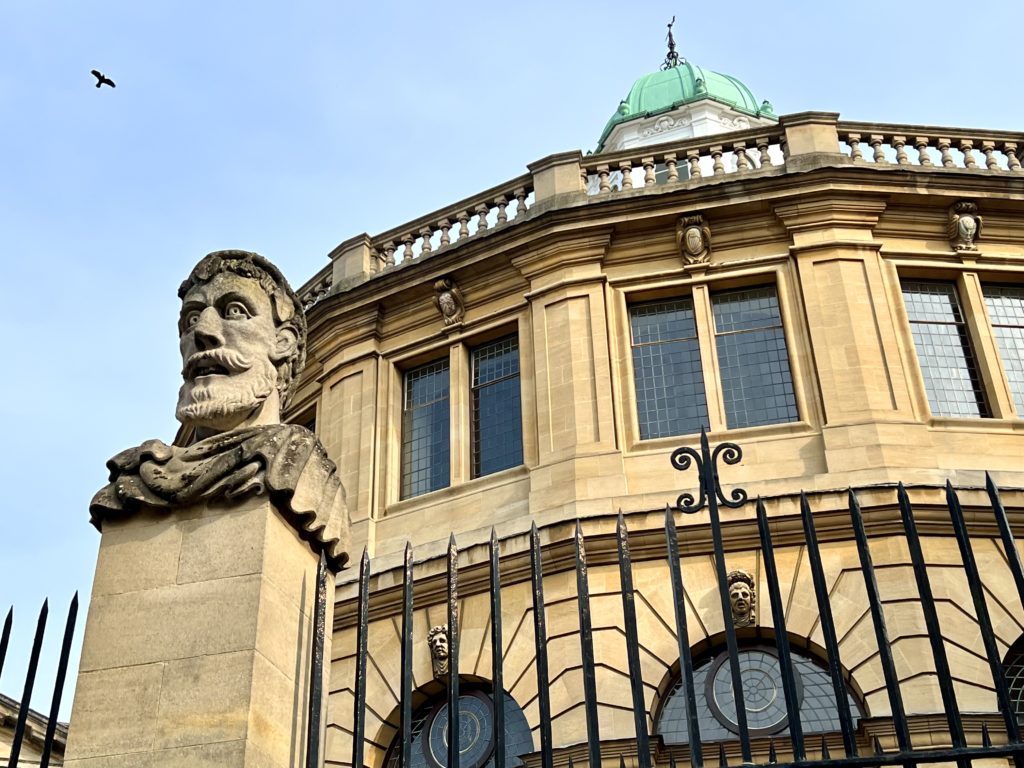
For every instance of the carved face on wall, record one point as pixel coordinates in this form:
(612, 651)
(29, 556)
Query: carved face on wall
(437, 640)
(739, 598)
(230, 350)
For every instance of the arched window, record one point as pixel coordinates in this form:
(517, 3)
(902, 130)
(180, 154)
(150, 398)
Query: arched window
(1013, 668)
(763, 698)
(476, 731)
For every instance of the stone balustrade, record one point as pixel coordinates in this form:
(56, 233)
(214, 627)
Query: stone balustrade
(932, 147)
(455, 223)
(798, 142)
(705, 158)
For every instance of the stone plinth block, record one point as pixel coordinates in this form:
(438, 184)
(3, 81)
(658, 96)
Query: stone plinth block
(197, 642)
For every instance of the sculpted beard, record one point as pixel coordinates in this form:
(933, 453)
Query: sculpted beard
(209, 398)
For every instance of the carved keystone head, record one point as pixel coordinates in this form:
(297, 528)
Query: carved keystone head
(242, 335)
(741, 598)
(437, 642)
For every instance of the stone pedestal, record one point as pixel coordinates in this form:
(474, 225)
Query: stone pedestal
(197, 642)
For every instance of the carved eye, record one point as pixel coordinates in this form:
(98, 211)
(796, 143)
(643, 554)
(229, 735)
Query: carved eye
(191, 319)
(236, 311)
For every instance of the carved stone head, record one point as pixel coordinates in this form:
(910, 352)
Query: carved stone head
(242, 334)
(742, 598)
(437, 642)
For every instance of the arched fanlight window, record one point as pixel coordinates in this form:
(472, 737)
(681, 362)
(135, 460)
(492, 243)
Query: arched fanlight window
(476, 731)
(763, 698)
(1013, 668)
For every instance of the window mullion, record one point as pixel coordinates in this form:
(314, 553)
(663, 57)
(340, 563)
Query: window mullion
(704, 321)
(993, 377)
(459, 413)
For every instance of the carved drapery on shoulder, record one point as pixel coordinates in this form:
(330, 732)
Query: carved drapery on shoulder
(283, 461)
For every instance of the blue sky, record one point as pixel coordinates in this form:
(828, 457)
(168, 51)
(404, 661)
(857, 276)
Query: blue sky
(287, 128)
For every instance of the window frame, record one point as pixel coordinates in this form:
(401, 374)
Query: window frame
(968, 280)
(457, 346)
(778, 274)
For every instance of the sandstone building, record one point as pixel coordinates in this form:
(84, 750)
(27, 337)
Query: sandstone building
(843, 300)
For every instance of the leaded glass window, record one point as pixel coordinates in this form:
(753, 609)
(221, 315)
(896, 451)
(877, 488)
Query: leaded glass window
(497, 407)
(476, 734)
(1006, 312)
(425, 430)
(1013, 668)
(944, 349)
(757, 386)
(763, 695)
(670, 395)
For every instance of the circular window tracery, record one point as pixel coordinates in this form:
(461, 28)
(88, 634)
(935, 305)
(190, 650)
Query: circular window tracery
(764, 699)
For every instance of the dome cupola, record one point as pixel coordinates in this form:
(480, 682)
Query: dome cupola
(682, 100)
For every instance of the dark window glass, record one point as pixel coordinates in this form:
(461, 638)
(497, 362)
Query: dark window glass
(425, 430)
(1006, 311)
(497, 408)
(478, 733)
(670, 397)
(943, 349)
(757, 386)
(763, 697)
(1013, 668)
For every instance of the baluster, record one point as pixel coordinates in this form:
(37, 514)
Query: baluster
(445, 226)
(1010, 150)
(520, 195)
(947, 156)
(426, 233)
(648, 163)
(742, 161)
(463, 217)
(716, 154)
(408, 239)
(375, 259)
(673, 171)
(693, 158)
(626, 168)
(502, 202)
(762, 151)
(389, 253)
(923, 157)
(899, 143)
(876, 141)
(967, 147)
(481, 212)
(602, 175)
(584, 180)
(991, 162)
(853, 139)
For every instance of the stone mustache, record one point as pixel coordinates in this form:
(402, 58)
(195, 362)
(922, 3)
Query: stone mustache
(242, 335)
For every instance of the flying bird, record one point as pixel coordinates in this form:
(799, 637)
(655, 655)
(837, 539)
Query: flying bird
(102, 79)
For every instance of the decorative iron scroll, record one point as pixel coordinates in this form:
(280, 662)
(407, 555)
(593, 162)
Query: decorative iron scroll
(707, 471)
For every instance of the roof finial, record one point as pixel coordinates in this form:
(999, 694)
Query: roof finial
(672, 59)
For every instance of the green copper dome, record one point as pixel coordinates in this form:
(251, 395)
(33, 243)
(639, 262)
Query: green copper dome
(683, 84)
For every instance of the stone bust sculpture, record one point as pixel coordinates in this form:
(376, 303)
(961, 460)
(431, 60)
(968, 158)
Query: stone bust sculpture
(741, 598)
(437, 642)
(242, 335)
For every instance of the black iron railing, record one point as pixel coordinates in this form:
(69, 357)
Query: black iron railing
(858, 750)
(21, 725)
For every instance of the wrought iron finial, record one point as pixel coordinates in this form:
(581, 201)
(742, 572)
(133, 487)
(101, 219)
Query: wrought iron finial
(672, 58)
(707, 472)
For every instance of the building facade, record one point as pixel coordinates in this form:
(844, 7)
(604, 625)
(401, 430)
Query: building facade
(844, 301)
